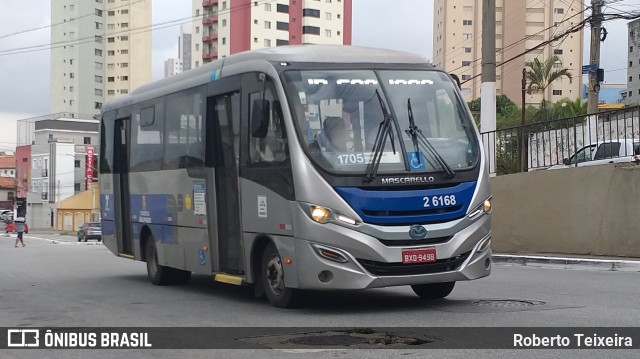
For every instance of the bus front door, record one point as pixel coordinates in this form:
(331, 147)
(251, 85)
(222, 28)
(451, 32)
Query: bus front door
(223, 131)
(121, 190)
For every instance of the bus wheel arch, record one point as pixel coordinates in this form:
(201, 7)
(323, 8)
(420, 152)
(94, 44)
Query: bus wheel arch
(145, 234)
(259, 244)
(272, 279)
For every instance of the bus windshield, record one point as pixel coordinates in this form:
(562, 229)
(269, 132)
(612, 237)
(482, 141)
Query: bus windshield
(339, 114)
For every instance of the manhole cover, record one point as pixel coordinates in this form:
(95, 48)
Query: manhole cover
(329, 340)
(507, 303)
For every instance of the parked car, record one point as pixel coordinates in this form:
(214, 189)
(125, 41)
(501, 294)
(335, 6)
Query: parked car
(90, 230)
(605, 152)
(6, 214)
(10, 227)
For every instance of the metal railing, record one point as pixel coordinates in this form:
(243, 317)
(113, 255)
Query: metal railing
(544, 144)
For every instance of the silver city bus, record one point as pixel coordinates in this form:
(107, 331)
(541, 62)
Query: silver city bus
(299, 167)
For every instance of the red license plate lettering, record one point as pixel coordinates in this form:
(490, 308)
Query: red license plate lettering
(422, 255)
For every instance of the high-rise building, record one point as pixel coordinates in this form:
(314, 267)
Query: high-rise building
(184, 47)
(520, 26)
(633, 58)
(172, 67)
(224, 27)
(101, 50)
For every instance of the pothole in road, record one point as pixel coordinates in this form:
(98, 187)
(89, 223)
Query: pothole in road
(507, 303)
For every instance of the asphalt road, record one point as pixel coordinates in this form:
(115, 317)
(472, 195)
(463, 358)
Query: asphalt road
(56, 281)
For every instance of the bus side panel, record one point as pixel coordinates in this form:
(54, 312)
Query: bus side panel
(265, 212)
(107, 213)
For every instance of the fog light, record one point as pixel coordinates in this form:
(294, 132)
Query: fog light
(329, 254)
(320, 214)
(484, 245)
(325, 276)
(487, 264)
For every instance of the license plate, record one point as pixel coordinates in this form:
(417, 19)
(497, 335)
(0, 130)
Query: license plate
(422, 255)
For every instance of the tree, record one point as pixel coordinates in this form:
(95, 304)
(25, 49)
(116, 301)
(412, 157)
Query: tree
(540, 75)
(566, 108)
(507, 112)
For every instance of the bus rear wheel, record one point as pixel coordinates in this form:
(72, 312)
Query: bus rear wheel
(433, 290)
(159, 274)
(272, 276)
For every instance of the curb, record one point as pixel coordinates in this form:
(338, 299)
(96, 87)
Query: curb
(616, 265)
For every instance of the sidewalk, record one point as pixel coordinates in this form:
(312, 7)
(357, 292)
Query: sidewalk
(568, 261)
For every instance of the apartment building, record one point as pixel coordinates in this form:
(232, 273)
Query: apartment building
(520, 26)
(101, 49)
(224, 27)
(184, 46)
(172, 67)
(632, 94)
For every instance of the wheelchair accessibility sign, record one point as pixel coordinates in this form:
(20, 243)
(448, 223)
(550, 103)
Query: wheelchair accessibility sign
(416, 161)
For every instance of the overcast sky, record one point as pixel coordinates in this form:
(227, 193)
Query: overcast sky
(394, 24)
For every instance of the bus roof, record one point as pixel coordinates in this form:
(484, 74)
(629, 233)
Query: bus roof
(295, 53)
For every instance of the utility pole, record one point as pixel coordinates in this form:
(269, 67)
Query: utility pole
(594, 57)
(523, 114)
(488, 86)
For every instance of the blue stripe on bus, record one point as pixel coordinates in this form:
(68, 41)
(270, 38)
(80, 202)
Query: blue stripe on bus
(405, 207)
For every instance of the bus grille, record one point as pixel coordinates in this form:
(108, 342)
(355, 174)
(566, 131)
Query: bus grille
(382, 269)
(413, 242)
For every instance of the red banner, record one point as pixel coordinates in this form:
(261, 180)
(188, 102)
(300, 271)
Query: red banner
(89, 168)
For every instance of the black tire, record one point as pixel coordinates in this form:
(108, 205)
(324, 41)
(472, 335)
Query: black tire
(433, 290)
(79, 238)
(159, 274)
(272, 277)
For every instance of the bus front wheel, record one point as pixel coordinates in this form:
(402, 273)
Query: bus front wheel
(159, 274)
(433, 290)
(272, 276)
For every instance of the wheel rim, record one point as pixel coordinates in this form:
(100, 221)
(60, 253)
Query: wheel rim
(275, 275)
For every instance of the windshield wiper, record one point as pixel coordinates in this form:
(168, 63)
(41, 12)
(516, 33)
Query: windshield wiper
(384, 130)
(420, 139)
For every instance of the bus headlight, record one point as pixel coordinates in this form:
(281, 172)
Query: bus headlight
(320, 214)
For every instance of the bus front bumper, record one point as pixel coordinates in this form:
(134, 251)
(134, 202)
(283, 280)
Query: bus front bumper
(318, 273)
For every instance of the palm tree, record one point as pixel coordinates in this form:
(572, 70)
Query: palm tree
(541, 74)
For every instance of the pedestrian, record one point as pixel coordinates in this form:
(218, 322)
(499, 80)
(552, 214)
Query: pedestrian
(20, 224)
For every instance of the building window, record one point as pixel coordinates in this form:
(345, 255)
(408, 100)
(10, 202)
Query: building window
(70, 88)
(557, 51)
(467, 36)
(124, 38)
(327, 16)
(111, 79)
(87, 140)
(467, 8)
(224, 41)
(98, 39)
(111, 13)
(255, 39)
(99, 65)
(267, 43)
(111, 92)
(70, 102)
(98, 52)
(313, 30)
(467, 50)
(197, 47)
(97, 92)
(327, 33)
(466, 77)
(71, 75)
(124, 11)
(124, 65)
(98, 79)
(124, 91)
(557, 92)
(467, 22)
(630, 78)
(311, 13)
(111, 53)
(124, 52)
(98, 12)
(267, 24)
(111, 40)
(282, 8)
(197, 29)
(558, 10)
(111, 66)
(466, 63)
(76, 187)
(282, 25)
(282, 42)
(124, 78)
(267, 7)
(98, 25)
(224, 22)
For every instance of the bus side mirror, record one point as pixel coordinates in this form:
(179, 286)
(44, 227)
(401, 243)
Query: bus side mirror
(260, 118)
(457, 80)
